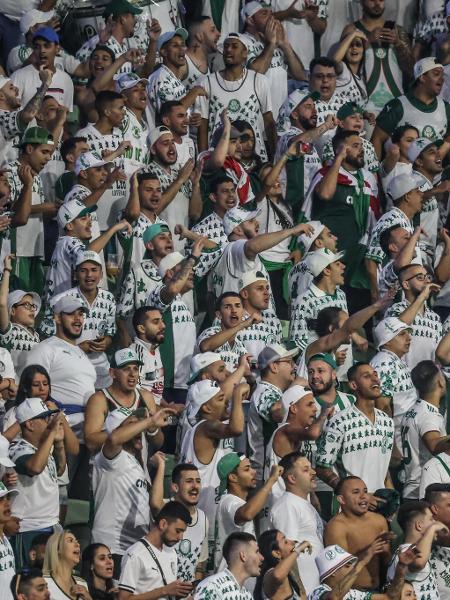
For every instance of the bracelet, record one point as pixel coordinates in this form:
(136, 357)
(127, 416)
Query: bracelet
(153, 433)
(7, 270)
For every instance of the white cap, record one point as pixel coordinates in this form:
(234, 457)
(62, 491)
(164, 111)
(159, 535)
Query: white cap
(69, 304)
(168, 35)
(274, 352)
(126, 81)
(402, 184)
(123, 357)
(4, 452)
(387, 329)
(251, 8)
(198, 394)
(424, 65)
(418, 146)
(3, 81)
(235, 216)
(31, 408)
(297, 97)
(201, 361)
(156, 133)
(318, 260)
(169, 262)
(87, 160)
(69, 211)
(88, 256)
(307, 240)
(4, 490)
(250, 277)
(291, 396)
(244, 39)
(116, 417)
(332, 558)
(16, 296)
(33, 17)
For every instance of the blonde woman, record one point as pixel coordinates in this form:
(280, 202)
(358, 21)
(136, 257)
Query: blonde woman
(62, 555)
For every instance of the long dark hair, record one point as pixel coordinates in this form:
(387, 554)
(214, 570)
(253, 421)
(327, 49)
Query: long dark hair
(362, 73)
(326, 321)
(87, 572)
(26, 379)
(267, 543)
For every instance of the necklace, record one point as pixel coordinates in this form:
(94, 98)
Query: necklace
(231, 85)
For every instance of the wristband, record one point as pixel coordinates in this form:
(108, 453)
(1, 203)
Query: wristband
(152, 433)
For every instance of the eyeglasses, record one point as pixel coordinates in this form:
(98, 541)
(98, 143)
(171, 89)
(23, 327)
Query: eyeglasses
(28, 305)
(421, 277)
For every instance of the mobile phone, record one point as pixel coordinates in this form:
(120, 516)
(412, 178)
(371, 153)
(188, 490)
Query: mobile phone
(389, 24)
(304, 148)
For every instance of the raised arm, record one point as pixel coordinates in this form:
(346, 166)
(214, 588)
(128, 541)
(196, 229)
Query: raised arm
(254, 505)
(98, 244)
(217, 430)
(326, 188)
(265, 241)
(4, 290)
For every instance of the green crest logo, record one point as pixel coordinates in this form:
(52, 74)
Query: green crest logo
(234, 105)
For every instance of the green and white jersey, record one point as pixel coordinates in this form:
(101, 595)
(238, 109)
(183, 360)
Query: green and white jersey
(430, 119)
(10, 132)
(230, 353)
(351, 86)
(193, 548)
(430, 221)
(436, 470)
(18, 340)
(424, 582)
(151, 372)
(247, 98)
(440, 563)
(60, 275)
(300, 279)
(371, 161)
(210, 227)
(323, 109)
(386, 221)
(221, 586)
(138, 284)
(163, 85)
(307, 306)
(324, 590)
(193, 74)
(132, 244)
(256, 337)
(353, 445)
(7, 567)
(114, 199)
(433, 27)
(225, 524)
(426, 333)
(80, 192)
(136, 132)
(260, 425)
(27, 240)
(419, 420)
(88, 47)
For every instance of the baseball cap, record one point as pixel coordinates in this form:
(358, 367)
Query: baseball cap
(291, 396)
(127, 81)
(166, 37)
(72, 210)
(215, 138)
(235, 216)
(3, 81)
(87, 160)
(424, 65)
(250, 277)
(387, 329)
(318, 260)
(402, 184)
(332, 558)
(4, 449)
(201, 361)
(227, 465)
(297, 97)
(199, 393)
(89, 256)
(125, 356)
(244, 39)
(306, 241)
(156, 133)
(31, 408)
(273, 352)
(116, 417)
(120, 7)
(46, 33)
(419, 145)
(37, 135)
(69, 304)
(33, 17)
(169, 262)
(4, 490)
(347, 109)
(16, 296)
(326, 357)
(154, 230)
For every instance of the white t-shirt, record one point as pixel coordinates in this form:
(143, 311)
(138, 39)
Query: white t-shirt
(424, 581)
(7, 568)
(121, 501)
(221, 586)
(298, 520)
(436, 470)
(140, 573)
(323, 589)
(56, 592)
(28, 82)
(37, 503)
(225, 524)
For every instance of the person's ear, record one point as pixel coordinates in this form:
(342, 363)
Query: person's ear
(175, 488)
(352, 385)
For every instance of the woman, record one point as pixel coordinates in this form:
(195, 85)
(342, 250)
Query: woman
(279, 578)
(62, 555)
(351, 74)
(396, 160)
(408, 592)
(97, 569)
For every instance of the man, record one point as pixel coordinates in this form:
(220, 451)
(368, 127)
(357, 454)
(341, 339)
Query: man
(201, 43)
(30, 586)
(271, 53)
(425, 324)
(151, 563)
(8, 562)
(423, 426)
(117, 469)
(40, 459)
(28, 79)
(294, 515)
(396, 394)
(240, 552)
(438, 496)
(250, 101)
(174, 115)
(277, 370)
(358, 437)
(356, 528)
(70, 151)
(237, 509)
(323, 381)
(325, 290)
(389, 55)
(422, 106)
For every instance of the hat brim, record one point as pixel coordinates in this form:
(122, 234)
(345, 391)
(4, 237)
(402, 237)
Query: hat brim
(42, 415)
(128, 362)
(311, 239)
(12, 492)
(6, 462)
(352, 559)
(36, 299)
(385, 341)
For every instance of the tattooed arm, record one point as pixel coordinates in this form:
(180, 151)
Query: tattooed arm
(32, 107)
(403, 51)
(181, 274)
